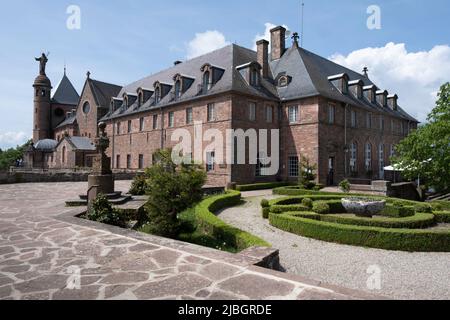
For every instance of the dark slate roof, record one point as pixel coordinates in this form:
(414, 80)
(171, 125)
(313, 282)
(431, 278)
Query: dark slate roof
(309, 73)
(66, 93)
(227, 58)
(68, 121)
(103, 92)
(81, 143)
(46, 145)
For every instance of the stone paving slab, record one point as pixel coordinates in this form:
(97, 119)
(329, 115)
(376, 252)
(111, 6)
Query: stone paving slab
(48, 253)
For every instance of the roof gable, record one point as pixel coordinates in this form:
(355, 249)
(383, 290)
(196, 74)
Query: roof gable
(66, 93)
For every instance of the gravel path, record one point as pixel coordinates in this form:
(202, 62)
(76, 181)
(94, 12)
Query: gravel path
(403, 275)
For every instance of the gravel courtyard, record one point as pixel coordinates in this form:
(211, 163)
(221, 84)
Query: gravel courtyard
(403, 275)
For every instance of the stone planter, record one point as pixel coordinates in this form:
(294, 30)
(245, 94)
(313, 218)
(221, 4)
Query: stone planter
(362, 207)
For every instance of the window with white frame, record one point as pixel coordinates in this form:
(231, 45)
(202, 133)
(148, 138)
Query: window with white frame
(252, 111)
(392, 126)
(141, 124)
(189, 116)
(368, 157)
(211, 112)
(210, 161)
(353, 157)
(269, 114)
(155, 121)
(293, 166)
(293, 114)
(382, 123)
(331, 113)
(171, 119)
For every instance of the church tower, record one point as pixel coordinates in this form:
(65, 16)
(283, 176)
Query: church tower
(42, 103)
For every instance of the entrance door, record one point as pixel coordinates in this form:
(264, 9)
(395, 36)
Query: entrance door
(331, 166)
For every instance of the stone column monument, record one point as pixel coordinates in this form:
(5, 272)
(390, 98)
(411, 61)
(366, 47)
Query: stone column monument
(102, 178)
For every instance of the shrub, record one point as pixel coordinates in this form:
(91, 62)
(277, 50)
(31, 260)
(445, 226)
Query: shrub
(171, 190)
(307, 202)
(440, 205)
(373, 237)
(138, 186)
(288, 208)
(442, 216)
(209, 224)
(344, 186)
(417, 221)
(265, 203)
(423, 208)
(307, 179)
(265, 212)
(395, 211)
(103, 212)
(321, 207)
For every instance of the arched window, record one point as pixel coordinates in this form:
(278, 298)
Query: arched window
(140, 99)
(368, 156)
(177, 89)
(381, 160)
(206, 81)
(63, 157)
(125, 101)
(353, 157)
(86, 107)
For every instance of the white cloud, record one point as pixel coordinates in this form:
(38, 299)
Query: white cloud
(205, 42)
(266, 35)
(12, 139)
(415, 76)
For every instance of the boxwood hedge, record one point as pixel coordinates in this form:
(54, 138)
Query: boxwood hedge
(373, 237)
(209, 224)
(261, 186)
(442, 216)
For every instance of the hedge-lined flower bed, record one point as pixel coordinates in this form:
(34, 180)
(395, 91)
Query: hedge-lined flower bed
(373, 237)
(442, 216)
(210, 225)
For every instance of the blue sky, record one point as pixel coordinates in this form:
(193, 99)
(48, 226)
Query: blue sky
(121, 41)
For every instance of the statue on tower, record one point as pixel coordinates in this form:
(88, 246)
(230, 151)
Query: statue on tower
(42, 63)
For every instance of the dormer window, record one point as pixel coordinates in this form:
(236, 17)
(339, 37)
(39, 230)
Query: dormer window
(392, 102)
(211, 75)
(125, 102)
(254, 78)
(356, 88)
(177, 90)
(251, 72)
(140, 99)
(370, 93)
(143, 96)
(157, 95)
(340, 81)
(382, 97)
(206, 81)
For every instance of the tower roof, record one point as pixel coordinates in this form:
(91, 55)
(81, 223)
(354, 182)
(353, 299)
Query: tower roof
(66, 93)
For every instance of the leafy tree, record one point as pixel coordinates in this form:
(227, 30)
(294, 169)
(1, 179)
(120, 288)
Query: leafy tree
(171, 190)
(425, 153)
(307, 179)
(8, 157)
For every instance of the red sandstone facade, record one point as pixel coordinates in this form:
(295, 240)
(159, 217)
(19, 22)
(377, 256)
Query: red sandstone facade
(337, 119)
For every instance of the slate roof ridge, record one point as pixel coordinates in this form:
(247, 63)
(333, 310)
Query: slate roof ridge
(65, 92)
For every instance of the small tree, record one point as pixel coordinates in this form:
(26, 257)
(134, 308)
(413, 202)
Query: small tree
(344, 186)
(102, 211)
(307, 179)
(139, 185)
(171, 190)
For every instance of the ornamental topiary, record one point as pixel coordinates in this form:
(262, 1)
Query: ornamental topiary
(265, 203)
(138, 186)
(423, 208)
(321, 207)
(307, 202)
(102, 211)
(344, 186)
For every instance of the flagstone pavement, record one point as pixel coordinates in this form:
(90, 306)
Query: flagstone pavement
(47, 253)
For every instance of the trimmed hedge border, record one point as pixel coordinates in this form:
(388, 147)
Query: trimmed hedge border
(262, 186)
(373, 237)
(442, 216)
(212, 225)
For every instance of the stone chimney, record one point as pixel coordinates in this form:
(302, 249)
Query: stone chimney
(263, 56)
(278, 40)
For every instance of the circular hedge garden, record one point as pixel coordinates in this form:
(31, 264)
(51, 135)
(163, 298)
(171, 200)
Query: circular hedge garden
(403, 225)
